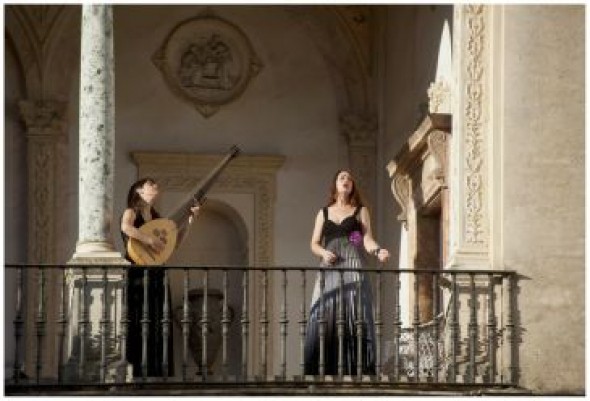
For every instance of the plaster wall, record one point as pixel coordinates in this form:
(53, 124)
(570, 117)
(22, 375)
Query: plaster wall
(542, 201)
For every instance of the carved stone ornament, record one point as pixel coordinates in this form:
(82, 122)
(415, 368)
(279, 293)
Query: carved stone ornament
(418, 171)
(475, 152)
(207, 61)
(439, 94)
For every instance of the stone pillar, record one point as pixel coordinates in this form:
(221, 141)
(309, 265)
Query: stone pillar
(361, 134)
(95, 212)
(45, 126)
(97, 130)
(469, 189)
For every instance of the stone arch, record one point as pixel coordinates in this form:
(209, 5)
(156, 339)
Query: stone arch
(219, 236)
(330, 31)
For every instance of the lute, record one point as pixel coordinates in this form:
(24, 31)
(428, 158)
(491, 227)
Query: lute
(166, 229)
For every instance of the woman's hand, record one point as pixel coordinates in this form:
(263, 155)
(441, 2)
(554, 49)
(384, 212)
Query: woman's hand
(156, 244)
(382, 255)
(328, 257)
(194, 213)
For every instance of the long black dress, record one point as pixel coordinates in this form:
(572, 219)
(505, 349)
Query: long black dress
(349, 250)
(155, 315)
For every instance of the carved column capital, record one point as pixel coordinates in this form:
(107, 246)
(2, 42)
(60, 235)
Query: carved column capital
(45, 118)
(359, 130)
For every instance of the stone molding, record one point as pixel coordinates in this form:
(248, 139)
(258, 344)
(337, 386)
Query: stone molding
(246, 174)
(207, 61)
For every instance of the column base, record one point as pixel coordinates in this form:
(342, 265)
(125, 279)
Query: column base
(97, 252)
(468, 260)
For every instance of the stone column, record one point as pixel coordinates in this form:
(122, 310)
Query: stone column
(45, 126)
(97, 130)
(95, 212)
(361, 134)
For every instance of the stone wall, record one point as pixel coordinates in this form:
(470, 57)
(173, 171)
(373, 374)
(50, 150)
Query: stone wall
(541, 129)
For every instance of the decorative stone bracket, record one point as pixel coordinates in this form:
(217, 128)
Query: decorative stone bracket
(419, 170)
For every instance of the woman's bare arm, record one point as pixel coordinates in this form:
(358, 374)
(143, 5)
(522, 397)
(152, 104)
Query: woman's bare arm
(316, 237)
(132, 232)
(371, 246)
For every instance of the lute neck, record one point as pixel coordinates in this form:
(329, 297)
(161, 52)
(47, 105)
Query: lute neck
(182, 213)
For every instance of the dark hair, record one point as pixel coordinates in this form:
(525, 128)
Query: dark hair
(355, 197)
(133, 198)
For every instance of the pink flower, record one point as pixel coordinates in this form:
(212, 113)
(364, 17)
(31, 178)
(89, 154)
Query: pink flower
(355, 238)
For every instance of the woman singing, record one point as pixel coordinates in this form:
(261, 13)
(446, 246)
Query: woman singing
(341, 235)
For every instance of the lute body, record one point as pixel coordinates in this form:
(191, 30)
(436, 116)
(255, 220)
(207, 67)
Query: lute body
(166, 229)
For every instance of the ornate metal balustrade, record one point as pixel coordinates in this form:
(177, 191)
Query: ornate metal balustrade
(248, 325)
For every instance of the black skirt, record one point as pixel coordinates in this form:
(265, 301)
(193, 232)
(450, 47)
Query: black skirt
(155, 340)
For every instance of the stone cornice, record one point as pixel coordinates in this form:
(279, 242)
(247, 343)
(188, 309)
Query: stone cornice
(420, 142)
(186, 164)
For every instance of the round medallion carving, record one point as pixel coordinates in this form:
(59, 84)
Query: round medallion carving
(207, 61)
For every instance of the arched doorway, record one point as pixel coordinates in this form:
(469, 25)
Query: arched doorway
(218, 237)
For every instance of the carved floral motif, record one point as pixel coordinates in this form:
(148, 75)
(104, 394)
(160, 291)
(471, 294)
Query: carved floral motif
(474, 136)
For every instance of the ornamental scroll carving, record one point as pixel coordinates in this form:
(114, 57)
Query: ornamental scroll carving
(207, 61)
(474, 160)
(45, 122)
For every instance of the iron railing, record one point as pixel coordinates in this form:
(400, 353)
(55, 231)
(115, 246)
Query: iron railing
(431, 326)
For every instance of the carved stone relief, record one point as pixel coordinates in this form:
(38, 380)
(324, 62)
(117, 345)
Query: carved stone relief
(207, 61)
(45, 126)
(474, 73)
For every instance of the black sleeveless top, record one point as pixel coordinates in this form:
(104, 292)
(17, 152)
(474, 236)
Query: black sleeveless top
(138, 222)
(332, 230)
